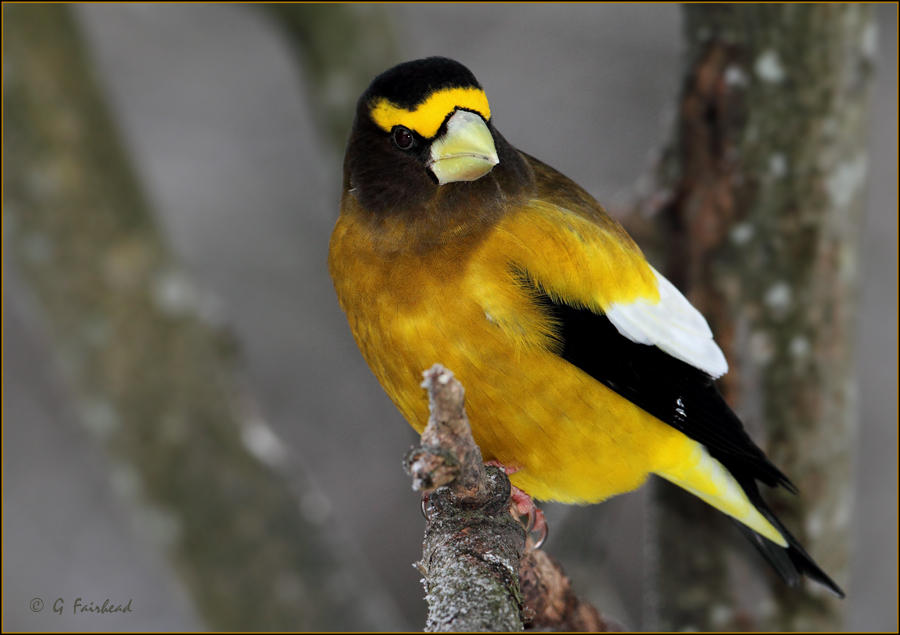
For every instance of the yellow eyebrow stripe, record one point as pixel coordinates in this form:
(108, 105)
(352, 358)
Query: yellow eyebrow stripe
(428, 116)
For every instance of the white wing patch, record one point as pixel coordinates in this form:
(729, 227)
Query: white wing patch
(673, 325)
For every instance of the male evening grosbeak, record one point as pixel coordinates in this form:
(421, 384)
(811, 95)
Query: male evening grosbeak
(585, 369)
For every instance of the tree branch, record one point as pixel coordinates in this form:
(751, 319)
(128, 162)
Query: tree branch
(550, 602)
(474, 552)
(473, 545)
(334, 72)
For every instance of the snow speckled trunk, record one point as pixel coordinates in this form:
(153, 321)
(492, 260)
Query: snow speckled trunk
(765, 183)
(154, 375)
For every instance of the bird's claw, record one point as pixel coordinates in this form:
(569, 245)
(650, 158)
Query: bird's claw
(521, 504)
(536, 523)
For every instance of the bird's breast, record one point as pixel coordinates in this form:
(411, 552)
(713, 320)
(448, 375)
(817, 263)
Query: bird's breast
(409, 309)
(463, 306)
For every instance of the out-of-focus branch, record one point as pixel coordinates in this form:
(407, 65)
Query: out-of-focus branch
(550, 602)
(154, 374)
(340, 48)
(474, 553)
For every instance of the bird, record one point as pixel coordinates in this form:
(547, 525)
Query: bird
(586, 370)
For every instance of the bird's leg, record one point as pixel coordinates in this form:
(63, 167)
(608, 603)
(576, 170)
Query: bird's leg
(521, 504)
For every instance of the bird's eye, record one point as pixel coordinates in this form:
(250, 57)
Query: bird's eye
(403, 138)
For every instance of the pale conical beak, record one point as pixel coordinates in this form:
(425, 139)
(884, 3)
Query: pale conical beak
(465, 152)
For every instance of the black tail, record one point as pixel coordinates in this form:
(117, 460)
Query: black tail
(791, 563)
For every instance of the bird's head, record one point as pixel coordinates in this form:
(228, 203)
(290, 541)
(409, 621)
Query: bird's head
(423, 134)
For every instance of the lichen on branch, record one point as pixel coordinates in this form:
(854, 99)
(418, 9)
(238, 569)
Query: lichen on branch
(474, 553)
(472, 547)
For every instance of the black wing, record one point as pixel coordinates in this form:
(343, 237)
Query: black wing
(671, 390)
(687, 399)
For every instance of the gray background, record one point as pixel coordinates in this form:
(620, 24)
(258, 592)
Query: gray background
(214, 113)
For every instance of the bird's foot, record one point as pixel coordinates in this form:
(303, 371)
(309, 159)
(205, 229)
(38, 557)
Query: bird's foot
(521, 504)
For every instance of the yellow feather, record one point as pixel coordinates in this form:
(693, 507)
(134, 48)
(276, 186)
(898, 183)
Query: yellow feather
(428, 116)
(573, 439)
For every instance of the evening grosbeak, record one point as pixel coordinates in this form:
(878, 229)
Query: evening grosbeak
(585, 369)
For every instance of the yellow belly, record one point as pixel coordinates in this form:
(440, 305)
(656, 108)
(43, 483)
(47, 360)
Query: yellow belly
(573, 439)
(411, 304)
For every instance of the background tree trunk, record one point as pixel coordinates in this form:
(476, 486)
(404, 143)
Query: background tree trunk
(339, 48)
(764, 186)
(155, 376)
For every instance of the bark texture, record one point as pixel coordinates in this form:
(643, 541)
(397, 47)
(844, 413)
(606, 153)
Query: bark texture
(764, 195)
(475, 551)
(473, 545)
(137, 345)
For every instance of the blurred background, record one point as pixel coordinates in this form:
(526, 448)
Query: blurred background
(233, 129)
